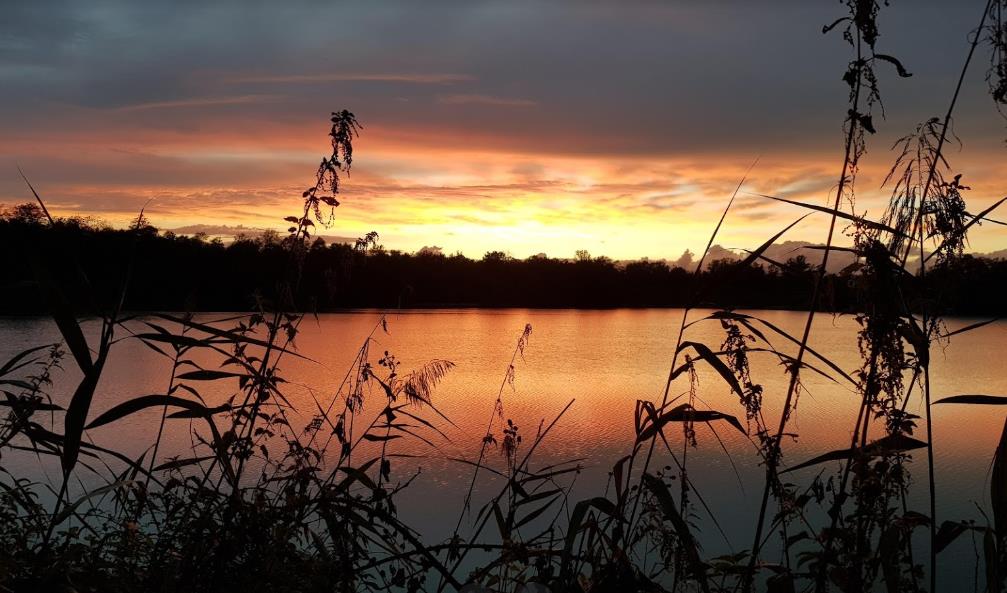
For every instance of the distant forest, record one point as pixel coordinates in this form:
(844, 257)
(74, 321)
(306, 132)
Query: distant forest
(169, 272)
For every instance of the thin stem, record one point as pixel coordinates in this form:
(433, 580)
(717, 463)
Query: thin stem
(774, 454)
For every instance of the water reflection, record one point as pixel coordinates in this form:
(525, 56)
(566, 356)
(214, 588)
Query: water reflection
(602, 360)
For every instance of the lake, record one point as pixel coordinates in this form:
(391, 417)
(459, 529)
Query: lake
(603, 361)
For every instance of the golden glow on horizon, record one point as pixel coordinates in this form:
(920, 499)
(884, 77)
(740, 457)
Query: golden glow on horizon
(424, 188)
(626, 144)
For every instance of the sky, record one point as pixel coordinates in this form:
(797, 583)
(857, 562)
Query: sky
(550, 126)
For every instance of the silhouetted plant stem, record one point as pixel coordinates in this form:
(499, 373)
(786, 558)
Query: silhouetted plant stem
(257, 392)
(674, 358)
(359, 359)
(772, 459)
(921, 213)
(164, 408)
(339, 528)
(931, 481)
(487, 439)
(505, 490)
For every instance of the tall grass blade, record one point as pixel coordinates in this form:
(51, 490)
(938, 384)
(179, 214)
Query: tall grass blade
(69, 509)
(998, 488)
(895, 443)
(708, 355)
(76, 417)
(146, 401)
(754, 255)
(686, 413)
(985, 400)
(969, 327)
(839, 214)
(62, 313)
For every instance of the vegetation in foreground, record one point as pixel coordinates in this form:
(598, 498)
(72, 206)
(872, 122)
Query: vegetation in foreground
(264, 505)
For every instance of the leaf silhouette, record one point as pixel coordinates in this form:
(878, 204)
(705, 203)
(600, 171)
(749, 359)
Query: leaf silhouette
(683, 413)
(72, 507)
(888, 444)
(76, 416)
(987, 400)
(706, 354)
(998, 486)
(949, 532)
(754, 255)
(208, 375)
(865, 221)
(62, 313)
(576, 523)
(145, 401)
(895, 62)
(970, 327)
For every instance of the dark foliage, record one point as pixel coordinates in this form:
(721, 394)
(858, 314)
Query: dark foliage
(321, 513)
(187, 273)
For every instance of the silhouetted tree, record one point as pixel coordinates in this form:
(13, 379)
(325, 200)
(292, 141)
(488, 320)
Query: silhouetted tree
(190, 272)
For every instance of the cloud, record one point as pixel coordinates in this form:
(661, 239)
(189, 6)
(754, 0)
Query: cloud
(537, 126)
(437, 79)
(228, 231)
(488, 100)
(780, 252)
(199, 102)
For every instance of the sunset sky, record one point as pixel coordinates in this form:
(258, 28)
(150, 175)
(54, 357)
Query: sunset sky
(617, 127)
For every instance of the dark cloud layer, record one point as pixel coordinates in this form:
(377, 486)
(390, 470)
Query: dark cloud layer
(651, 77)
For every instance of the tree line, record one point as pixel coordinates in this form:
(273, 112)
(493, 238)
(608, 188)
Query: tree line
(169, 272)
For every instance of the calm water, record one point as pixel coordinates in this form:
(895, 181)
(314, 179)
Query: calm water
(604, 361)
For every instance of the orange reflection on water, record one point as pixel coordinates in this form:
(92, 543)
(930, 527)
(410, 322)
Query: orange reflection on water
(604, 361)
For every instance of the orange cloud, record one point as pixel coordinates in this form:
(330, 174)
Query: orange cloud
(423, 184)
(199, 102)
(332, 77)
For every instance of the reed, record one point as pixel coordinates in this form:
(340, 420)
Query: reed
(264, 501)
